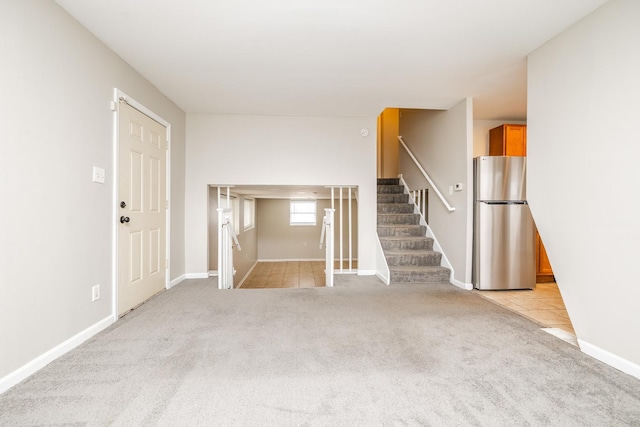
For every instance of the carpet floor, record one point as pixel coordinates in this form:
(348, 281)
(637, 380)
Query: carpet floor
(358, 354)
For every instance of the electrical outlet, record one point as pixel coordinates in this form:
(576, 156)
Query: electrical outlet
(95, 293)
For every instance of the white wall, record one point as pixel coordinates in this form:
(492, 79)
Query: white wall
(56, 83)
(583, 110)
(442, 141)
(266, 150)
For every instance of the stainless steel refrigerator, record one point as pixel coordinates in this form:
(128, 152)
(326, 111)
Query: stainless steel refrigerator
(504, 232)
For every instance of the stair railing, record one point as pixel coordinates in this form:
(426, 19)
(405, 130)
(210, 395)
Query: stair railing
(342, 199)
(421, 200)
(427, 177)
(226, 239)
(326, 238)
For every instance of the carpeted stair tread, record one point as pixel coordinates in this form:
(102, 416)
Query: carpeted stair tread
(424, 274)
(399, 218)
(395, 208)
(385, 230)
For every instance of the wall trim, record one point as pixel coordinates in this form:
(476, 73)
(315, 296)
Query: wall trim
(247, 275)
(44, 359)
(176, 281)
(466, 286)
(367, 273)
(291, 260)
(383, 278)
(610, 359)
(197, 275)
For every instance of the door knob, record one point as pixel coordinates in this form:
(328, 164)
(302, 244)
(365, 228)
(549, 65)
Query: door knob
(123, 205)
(124, 219)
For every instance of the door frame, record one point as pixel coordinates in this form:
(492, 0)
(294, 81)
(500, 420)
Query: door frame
(118, 96)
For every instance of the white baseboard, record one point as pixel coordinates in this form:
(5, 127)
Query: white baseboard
(291, 260)
(44, 359)
(176, 281)
(247, 275)
(610, 359)
(196, 275)
(466, 286)
(386, 280)
(366, 272)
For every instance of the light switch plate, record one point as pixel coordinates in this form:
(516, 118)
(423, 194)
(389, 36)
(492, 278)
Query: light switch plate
(98, 175)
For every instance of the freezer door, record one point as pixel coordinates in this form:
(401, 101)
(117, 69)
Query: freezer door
(500, 178)
(504, 247)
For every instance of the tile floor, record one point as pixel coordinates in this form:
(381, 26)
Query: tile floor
(543, 305)
(289, 274)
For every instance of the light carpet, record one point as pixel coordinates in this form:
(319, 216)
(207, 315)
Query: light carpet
(359, 354)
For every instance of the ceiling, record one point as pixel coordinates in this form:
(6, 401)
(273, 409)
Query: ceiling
(347, 58)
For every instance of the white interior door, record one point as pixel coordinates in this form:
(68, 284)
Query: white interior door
(142, 208)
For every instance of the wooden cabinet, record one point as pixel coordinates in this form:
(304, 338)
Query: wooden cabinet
(508, 140)
(544, 272)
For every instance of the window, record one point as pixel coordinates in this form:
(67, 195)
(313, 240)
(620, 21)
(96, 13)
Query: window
(249, 213)
(303, 212)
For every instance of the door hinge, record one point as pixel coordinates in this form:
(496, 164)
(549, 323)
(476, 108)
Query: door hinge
(166, 264)
(166, 145)
(166, 204)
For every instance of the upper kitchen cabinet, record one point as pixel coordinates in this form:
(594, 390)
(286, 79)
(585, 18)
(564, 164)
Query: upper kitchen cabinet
(508, 140)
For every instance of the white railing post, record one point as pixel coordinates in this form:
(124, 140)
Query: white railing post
(327, 225)
(226, 238)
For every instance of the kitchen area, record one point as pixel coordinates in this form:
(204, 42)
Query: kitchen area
(511, 267)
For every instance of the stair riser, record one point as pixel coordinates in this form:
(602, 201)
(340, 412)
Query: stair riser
(420, 277)
(390, 189)
(402, 231)
(422, 260)
(404, 219)
(395, 208)
(407, 245)
(393, 198)
(388, 181)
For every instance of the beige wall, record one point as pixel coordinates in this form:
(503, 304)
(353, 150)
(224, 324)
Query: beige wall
(244, 259)
(265, 150)
(442, 141)
(277, 240)
(57, 81)
(583, 174)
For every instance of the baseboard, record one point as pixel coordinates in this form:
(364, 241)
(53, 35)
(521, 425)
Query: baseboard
(291, 260)
(196, 275)
(176, 281)
(44, 359)
(366, 272)
(465, 286)
(610, 359)
(247, 275)
(386, 280)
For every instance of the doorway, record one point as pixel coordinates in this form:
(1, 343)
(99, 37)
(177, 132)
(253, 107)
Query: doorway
(142, 204)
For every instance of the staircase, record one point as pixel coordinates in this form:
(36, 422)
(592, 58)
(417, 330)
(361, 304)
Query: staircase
(409, 253)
